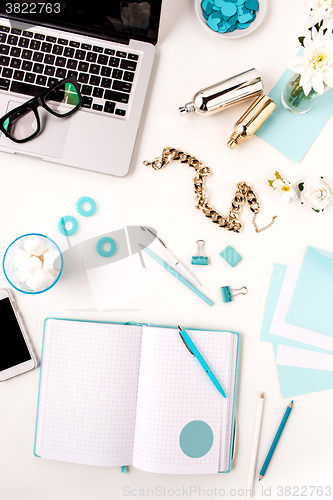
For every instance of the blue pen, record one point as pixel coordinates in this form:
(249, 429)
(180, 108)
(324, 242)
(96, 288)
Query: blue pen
(172, 271)
(276, 440)
(194, 351)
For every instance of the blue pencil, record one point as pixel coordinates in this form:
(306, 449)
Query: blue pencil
(275, 440)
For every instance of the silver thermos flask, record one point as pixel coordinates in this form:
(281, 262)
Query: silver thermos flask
(224, 94)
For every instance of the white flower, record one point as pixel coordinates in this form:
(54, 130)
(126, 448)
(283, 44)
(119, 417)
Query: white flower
(321, 10)
(316, 65)
(283, 191)
(316, 193)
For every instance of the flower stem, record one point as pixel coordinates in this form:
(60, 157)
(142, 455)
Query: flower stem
(296, 93)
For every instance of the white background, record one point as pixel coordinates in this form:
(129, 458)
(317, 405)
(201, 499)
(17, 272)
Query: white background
(188, 59)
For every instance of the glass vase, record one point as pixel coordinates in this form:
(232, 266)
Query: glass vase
(294, 99)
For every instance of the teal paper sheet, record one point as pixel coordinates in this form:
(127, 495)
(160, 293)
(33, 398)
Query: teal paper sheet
(293, 134)
(294, 381)
(278, 274)
(311, 305)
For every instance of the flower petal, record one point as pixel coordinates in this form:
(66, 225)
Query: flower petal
(297, 64)
(278, 183)
(307, 86)
(317, 83)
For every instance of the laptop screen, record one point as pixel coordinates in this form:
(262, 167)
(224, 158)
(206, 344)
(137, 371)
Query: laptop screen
(112, 20)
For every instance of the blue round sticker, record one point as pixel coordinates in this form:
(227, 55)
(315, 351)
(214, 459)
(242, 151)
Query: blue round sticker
(196, 439)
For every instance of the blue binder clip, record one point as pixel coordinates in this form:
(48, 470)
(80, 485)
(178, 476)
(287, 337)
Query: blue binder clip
(227, 294)
(200, 259)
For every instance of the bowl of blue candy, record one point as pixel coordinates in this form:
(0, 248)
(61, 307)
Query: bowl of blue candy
(230, 18)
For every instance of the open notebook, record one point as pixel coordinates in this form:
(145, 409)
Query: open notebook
(123, 394)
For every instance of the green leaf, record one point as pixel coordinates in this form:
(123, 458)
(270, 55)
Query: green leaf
(316, 210)
(270, 183)
(301, 186)
(301, 40)
(277, 175)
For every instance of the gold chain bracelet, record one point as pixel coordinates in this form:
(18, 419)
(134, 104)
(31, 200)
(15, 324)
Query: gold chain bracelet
(244, 192)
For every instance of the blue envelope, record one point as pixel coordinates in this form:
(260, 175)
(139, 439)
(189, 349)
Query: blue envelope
(312, 304)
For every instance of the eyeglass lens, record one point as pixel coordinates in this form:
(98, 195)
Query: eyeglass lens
(21, 124)
(62, 100)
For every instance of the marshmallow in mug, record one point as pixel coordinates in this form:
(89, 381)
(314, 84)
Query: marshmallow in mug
(40, 280)
(51, 262)
(31, 258)
(20, 256)
(29, 267)
(35, 245)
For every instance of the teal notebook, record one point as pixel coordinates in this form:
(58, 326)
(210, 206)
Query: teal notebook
(115, 394)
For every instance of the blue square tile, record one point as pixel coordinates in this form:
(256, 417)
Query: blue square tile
(231, 256)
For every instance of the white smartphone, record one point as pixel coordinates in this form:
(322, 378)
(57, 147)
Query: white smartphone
(16, 354)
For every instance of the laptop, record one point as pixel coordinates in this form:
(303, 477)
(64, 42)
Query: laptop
(109, 46)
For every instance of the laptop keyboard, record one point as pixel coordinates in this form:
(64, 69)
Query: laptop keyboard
(31, 62)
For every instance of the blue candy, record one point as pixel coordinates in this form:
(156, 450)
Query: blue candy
(223, 28)
(206, 16)
(244, 18)
(242, 26)
(224, 16)
(207, 7)
(228, 9)
(252, 4)
(213, 22)
(233, 20)
(204, 4)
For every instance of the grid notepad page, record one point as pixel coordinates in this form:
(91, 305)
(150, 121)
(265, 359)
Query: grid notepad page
(174, 390)
(88, 392)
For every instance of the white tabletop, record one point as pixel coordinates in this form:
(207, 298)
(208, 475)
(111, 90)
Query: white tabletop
(188, 59)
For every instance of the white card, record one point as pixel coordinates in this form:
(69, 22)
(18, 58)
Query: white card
(280, 327)
(302, 358)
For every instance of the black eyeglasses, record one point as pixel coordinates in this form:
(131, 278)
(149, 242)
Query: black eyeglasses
(23, 123)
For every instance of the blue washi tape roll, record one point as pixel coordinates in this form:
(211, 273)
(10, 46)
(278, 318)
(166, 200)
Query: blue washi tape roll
(100, 247)
(62, 225)
(79, 206)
